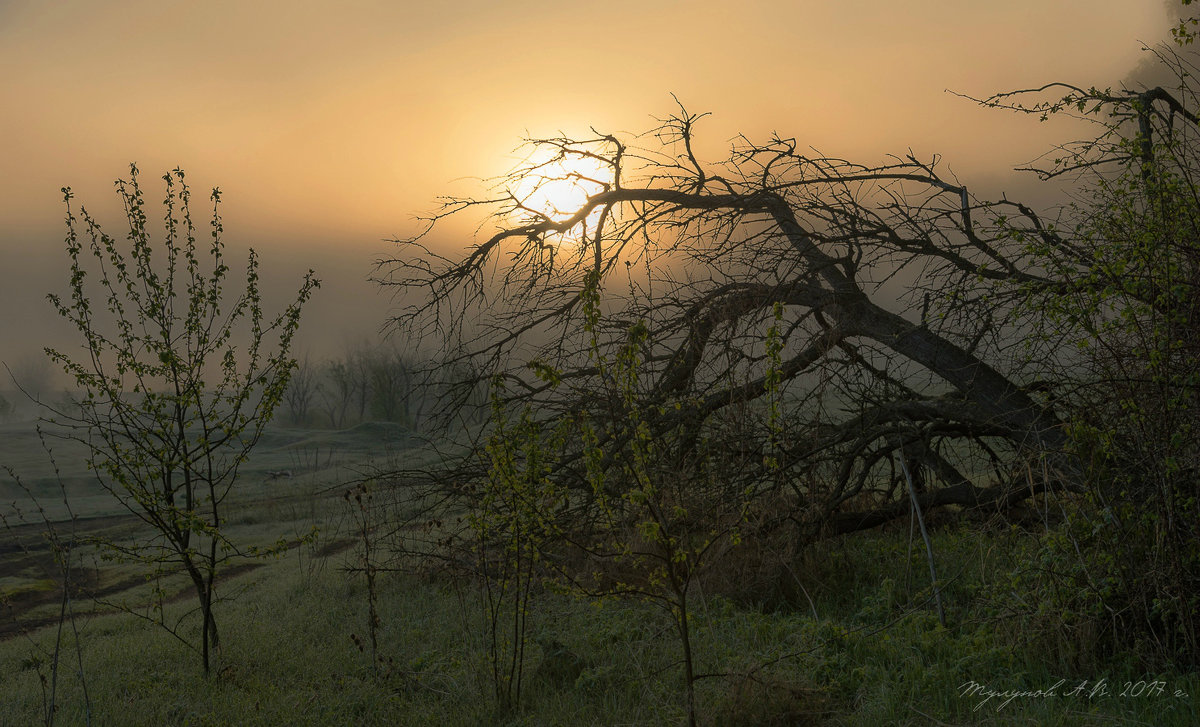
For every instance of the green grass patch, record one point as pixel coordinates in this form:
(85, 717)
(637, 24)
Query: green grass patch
(875, 654)
(15, 587)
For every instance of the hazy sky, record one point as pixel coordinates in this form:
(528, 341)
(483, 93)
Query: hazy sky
(328, 126)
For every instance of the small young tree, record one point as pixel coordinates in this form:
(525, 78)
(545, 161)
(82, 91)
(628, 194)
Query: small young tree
(511, 519)
(177, 380)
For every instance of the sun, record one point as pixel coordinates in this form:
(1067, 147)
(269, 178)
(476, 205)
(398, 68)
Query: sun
(557, 188)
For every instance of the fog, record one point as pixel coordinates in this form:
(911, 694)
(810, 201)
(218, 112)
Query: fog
(330, 130)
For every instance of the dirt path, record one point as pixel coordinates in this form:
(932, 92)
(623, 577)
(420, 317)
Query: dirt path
(25, 549)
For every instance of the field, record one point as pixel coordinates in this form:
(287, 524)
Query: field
(851, 638)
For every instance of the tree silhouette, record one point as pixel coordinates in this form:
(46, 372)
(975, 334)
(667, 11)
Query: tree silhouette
(899, 290)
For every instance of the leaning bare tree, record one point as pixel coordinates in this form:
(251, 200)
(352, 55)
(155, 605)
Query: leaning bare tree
(935, 348)
(178, 378)
(898, 293)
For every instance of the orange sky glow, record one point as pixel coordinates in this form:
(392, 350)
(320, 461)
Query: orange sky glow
(329, 126)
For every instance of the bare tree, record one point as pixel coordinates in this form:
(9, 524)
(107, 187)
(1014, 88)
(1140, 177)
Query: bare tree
(32, 376)
(459, 394)
(392, 378)
(358, 369)
(900, 294)
(337, 396)
(303, 389)
(347, 393)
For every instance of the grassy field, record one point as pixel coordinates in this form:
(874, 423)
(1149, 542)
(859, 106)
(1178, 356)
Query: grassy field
(862, 646)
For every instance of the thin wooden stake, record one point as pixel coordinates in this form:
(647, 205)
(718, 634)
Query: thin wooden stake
(912, 495)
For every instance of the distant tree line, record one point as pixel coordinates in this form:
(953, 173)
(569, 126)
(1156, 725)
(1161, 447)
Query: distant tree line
(376, 382)
(24, 380)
